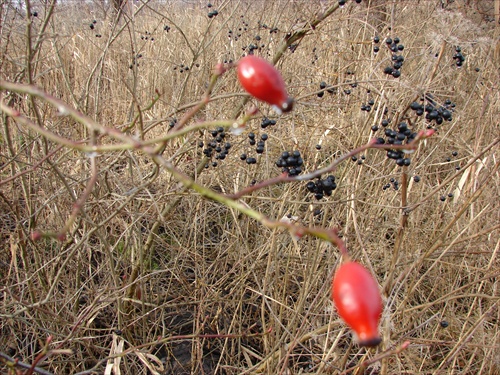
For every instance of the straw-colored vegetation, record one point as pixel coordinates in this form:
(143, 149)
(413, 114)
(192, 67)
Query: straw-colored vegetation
(114, 258)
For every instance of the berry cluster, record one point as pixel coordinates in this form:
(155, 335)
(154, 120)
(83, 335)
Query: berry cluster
(322, 187)
(135, 61)
(368, 107)
(147, 36)
(259, 149)
(394, 182)
(329, 89)
(458, 57)
(215, 145)
(290, 162)
(397, 60)
(402, 135)
(212, 13)
(434, 112)
(266, 122)
(342, 2)
(442, 198)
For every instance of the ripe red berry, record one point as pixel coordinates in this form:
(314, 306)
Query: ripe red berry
(357, 298)
(261, 80)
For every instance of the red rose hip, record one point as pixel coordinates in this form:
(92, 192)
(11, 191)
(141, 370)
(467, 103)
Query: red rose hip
(356, 296)
(263, 81)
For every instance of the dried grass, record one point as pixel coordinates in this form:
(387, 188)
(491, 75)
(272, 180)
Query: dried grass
(214, 291)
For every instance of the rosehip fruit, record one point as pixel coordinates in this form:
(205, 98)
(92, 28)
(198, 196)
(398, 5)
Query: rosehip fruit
(263, 81)
(357, 298)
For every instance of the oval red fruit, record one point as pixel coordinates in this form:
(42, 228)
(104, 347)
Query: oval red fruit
(263, 81)
(357, 298)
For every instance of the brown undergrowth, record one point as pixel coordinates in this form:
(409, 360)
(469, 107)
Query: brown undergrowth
(152, 277)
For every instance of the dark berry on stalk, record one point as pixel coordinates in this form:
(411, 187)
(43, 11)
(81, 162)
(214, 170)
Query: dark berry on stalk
(264, 137)
(401, 47)
(396, 73)
(311, 186)
(320, 94)
(218, 149)
(415, 106)
(252, 142)
(218, 139)
(374, 128)
(259, 150)
(376, 39)
(384, 123)
(322, 85)
(285, 154)
(443, 324)
(354, 158)
(251, 135)
(317, 212)
(454, 153)
(214, 164)
(376, 49)
(388, 70)
(380, 141)
(446, 114)
(388, 41)
(442, 198)
(318, 147)
(200, 143)
(400, 136)
(402, 127)
(342, 3)
(433, 115)
(416, 178)
(406, 161)
(227, 146)
(214, 133)
(450, 195)
(347, 92)
(400, 162)
(396, 40)
(251, 161)
(318, 196)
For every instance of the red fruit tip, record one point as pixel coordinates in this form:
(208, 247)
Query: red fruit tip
(371, 342)
(36, 235)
